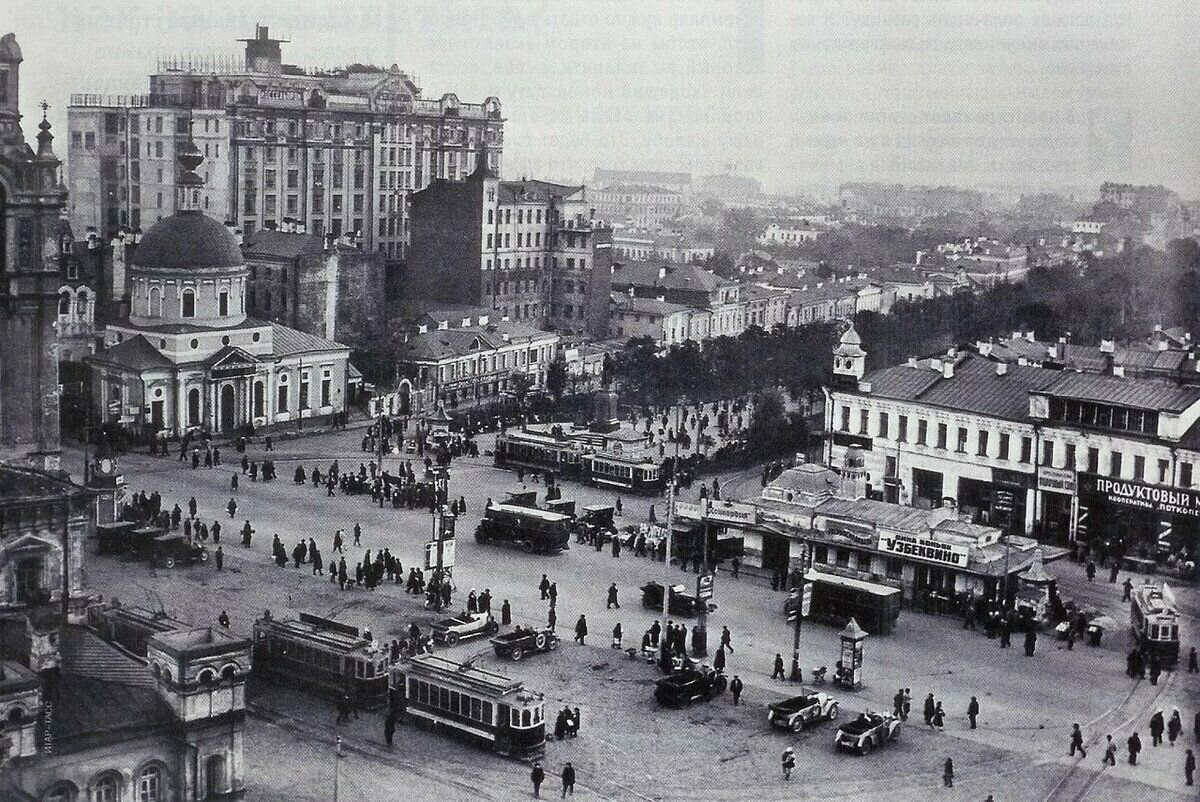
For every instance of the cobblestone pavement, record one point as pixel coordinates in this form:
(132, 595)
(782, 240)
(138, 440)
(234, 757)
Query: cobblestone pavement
(629, 749)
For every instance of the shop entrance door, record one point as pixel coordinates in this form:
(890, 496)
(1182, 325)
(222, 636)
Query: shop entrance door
(227, 407)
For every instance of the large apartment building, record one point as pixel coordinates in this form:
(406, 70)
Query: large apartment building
(338, 150)
(528, 250)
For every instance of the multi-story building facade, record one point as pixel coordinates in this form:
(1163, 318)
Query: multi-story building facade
(529, 250)
(338, 150)
(639, 205)
(1057, 452)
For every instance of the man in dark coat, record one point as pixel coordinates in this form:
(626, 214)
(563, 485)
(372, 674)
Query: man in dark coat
(930, 707)
(389, 726)
(536, 777)
(1135, 745)
(972, 710)
(581, 629)
(778, 670)
(1156, 728)
(544, 587)
(568, 780)
(735, 688)
(612, 597)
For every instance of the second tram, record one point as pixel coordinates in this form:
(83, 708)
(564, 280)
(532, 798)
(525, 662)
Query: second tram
(1155, 622)
(323, 656)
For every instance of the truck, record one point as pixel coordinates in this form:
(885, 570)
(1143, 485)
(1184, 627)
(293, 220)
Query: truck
(532, 530)
(800, 711)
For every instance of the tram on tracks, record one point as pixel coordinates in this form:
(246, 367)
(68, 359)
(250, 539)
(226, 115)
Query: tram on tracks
(578, 461)
(130, 627)
(323, 656)
(472, 703)
(1154, 621)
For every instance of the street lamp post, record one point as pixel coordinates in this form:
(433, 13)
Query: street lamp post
(799, 613)
(671, 482)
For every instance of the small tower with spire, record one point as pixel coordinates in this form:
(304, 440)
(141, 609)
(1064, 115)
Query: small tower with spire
(849, 359)
(190, 183)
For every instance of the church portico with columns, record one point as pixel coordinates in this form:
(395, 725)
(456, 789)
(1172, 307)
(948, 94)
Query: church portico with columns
(188, 357)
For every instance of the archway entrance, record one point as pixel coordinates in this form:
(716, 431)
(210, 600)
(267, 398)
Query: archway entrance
(228, 419)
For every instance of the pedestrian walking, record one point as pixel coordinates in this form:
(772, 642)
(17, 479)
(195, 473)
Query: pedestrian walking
(1128, 588)
(553, 593)
(536, 776)
(972, 711)
(907, 704)
(787, 762)
(1174, 727)
(898, 704)
(726, 640)
(777, 673)
(343, 709)
(568, 780)
(1030, 642)
(551, 619)
(1189, 767)
(930, 707)
(1110, 751)
(232, 507)
(1135, 745)
(220, 558)
(223, 619)
(1155, 669)
(1077, 741)
(736, 565)
(544, 587)
(505, 613)
(389, 726)
(357, 534)
(1196, 726)
(1091, 571)
(948, 773)
(1112, 573)
(735, 688)
(616, 641)
(612, 597)
(1193, 667)
(1156, 728)
(939, 716)
(581, 630)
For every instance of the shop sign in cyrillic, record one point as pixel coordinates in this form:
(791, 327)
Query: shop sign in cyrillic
(1141, 496)
(921, 548)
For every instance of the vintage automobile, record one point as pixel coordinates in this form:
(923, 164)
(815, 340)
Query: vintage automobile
(597, 521)
(172, 550)
(798, 712)
(522, 641)
(682, 688)
(868, 731)
(683, 602)
(464, 625)
(115, 537)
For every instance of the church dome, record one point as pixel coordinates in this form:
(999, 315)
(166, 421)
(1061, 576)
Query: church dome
(188, 240)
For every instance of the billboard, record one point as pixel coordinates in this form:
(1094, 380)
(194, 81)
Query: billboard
(925, 549)
(1133, 495)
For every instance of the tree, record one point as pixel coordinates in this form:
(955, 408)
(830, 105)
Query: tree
(519, 384)
(556, 377)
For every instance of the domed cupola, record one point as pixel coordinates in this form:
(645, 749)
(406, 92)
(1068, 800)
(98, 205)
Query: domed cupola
(849, 358)
(188, 268)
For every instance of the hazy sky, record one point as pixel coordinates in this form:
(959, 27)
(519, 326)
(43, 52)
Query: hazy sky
(800, 93)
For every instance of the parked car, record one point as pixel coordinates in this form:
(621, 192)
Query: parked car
(690, 685)
(172, 550)
(798, 712)
(520, 642)
(462, 626)
(683, 601)
(867, 732)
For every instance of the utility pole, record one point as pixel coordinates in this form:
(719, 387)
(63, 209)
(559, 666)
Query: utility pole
(382, 443)
(799, 612)
(700, 632)
(671, 480)
(300, 399)
(337, 763)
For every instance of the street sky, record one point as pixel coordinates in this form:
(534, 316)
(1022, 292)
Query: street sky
(1019, 95)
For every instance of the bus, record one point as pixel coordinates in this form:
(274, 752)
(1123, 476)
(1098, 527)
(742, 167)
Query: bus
(530, 529)
(323, 656)
(836, 599)
(632, 473)
(1154, 621)
(475, 704)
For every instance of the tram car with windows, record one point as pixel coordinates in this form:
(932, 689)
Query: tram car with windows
(1154, 620)
(472, 703)
(633, 473)
(537, 452)
(131, 627)
(322, 656)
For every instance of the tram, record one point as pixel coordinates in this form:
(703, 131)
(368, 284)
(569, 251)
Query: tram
(630, 473)
(324, 656)
(480, 706)
(1154, 621)
(537, 452)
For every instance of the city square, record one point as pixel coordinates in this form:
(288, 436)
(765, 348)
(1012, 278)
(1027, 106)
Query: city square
(653, 402)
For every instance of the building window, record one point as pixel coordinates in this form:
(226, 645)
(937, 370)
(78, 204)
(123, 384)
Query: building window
(60, 793)
(64, 303)
(193, 407)
(883, 425)
(1026, 449)
(149, 787)
(29, 580)
(894, 568)
(1163, 468)
(1093, 465)
(982, 449)
(303, 405)
(1139, 468)
(155, 302)
(941, 435)
(1003, 445)
(1114, 465)
(105, 790)
(1185, 474)
(1048, 453)
(845, 419)
(188, 303)
(961, 445)
(922, 431)
(1069, 457)
(863, 421)
(281, 402)
(902, 435)
(223, 303)
(843, 558)
(326, 386)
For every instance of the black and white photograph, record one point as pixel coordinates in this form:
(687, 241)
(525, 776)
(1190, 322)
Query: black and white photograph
(669, 401)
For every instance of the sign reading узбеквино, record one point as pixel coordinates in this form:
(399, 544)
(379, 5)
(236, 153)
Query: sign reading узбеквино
(925, 549)
(1126, 493)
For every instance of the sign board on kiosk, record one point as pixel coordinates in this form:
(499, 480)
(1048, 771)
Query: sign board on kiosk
(925, 549)
(431, 554)
(704, 587)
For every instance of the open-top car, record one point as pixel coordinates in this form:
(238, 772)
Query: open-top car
(868, 731)
(682, 688)
(464, 625)
(524, 640)
(800, 711)
(683, 601)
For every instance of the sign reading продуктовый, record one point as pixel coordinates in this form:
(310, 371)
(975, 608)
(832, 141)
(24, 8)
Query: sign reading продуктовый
(921, 548)
(1136, 495)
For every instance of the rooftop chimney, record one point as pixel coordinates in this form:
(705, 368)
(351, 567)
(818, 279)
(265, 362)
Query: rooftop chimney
(912, 361)
(1108, 346)
(1001, 368)
(948, 369)
(1162, 344)
(1119, 370)
(985, 349)
(1029, 336)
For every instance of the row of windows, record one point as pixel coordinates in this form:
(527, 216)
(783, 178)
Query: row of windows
(523, 216)
(454, 702)
(150, 786)
(842, 557)
(1054, 454)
